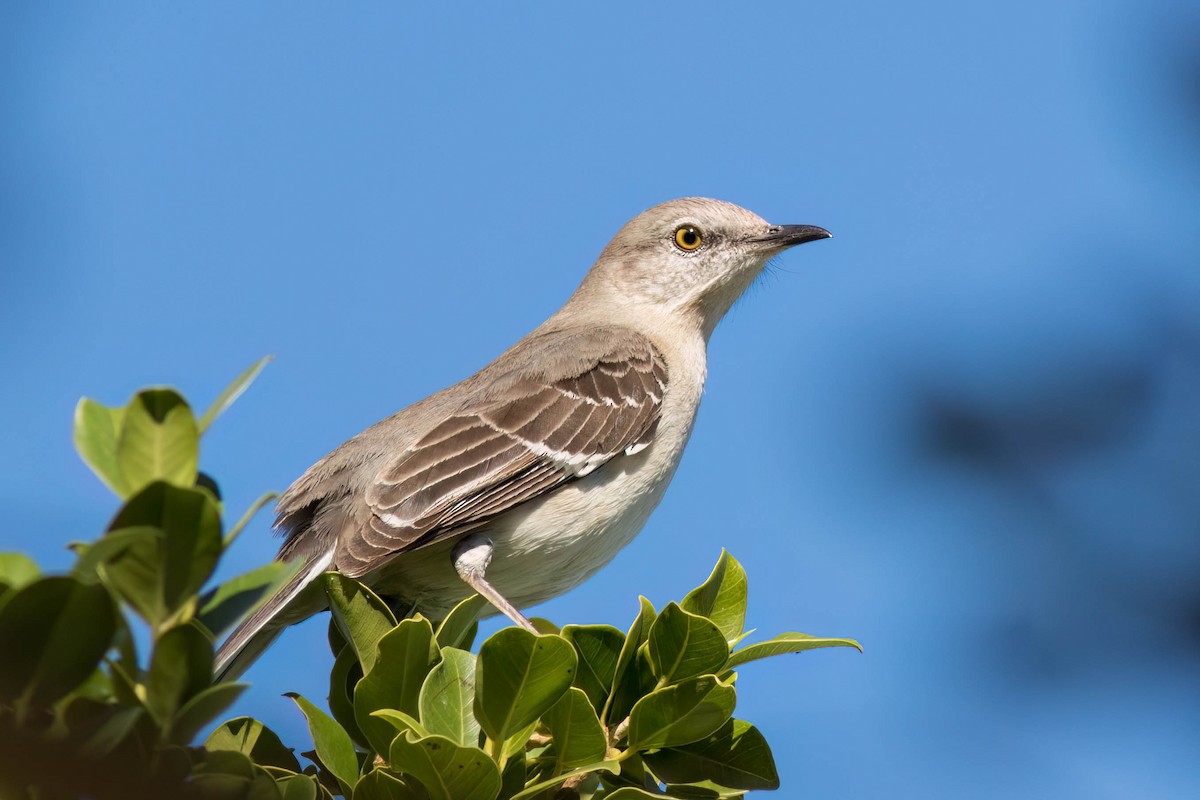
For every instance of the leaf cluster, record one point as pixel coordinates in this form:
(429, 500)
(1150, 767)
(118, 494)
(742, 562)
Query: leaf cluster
(582, 711)
(107, 678)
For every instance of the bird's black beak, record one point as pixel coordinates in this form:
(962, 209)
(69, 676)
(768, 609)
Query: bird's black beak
(781, 236)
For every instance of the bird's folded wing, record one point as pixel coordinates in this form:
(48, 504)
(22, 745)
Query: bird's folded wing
(543, 429)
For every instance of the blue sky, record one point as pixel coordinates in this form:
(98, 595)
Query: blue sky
(964, 431)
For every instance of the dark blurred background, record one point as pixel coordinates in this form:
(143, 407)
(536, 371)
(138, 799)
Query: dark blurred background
(965, 431)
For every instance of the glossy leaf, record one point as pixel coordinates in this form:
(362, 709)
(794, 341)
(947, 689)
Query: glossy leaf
(681, 714)
(360, 615)
(632, 793)
(447, 698)
(553, 782)
(401, 722)
(199, 712)
(598, 648)
(447, 770)
(379, 785)
(682, 645)
(519, 676)
(158, 441)
(737, 756)
(722, 597)
(577, 736)
(112, 545)
(157, 577)
(53, 634)
(251, 737)
(222, 607)
(332, 743)
(628, 679)
(517, 741)
(785, 643)
(232, 392)
(460, 623)
(298, 787)
(405, 655)
(180, 667)
(96, 430)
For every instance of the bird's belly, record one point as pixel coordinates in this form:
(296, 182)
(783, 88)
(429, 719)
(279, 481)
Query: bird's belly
(545, 547)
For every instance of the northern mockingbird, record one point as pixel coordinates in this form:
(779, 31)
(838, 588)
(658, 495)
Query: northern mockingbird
(521, 481)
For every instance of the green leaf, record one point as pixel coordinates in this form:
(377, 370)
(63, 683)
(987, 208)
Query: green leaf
(683, 645)
(519, 676)
(333, 744)
(555, 781)
(681, 714)
(405, 655)
(223, 606)
(158, 441)
(157, 577)
(630, 793)
(514, 775)
(359, 614)
(232, 392)
(401, 722)
(379, 785)
(722, 598)
(249, 736)
(785, 643)
(96, 430)
(517, 741)
(199, 712)
(93, 555)
(598, 648)
(460, 622)
(16, 570)
(180, 667)
(229, 775)
(447, 698)
(447, 770)
(628, 681)
(703, 790)
(577, 736)
(241, 524)
(298, 787)
(737, 756)
(345, 675)
(53, 633)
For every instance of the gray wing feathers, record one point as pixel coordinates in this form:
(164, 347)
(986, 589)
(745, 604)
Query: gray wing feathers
(506, 446)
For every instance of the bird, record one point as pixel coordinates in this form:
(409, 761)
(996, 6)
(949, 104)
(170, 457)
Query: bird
(521, 481)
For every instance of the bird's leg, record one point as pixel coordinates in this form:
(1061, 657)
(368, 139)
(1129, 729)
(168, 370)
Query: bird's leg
(471, 558)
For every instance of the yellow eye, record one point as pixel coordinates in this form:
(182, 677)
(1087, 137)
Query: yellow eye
(688, 238)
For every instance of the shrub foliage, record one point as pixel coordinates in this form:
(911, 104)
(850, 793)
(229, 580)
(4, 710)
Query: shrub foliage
(107, 689)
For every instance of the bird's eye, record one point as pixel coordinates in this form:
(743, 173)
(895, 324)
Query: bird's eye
(688, 238)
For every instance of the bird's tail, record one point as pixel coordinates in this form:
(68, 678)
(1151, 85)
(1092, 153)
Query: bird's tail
(256, 633)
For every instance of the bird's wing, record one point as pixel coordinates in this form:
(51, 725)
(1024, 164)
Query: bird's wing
(503, 448)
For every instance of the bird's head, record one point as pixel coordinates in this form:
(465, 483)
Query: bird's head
(694, 256)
